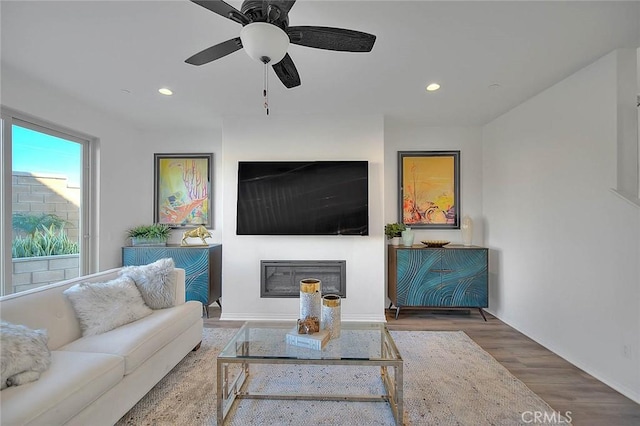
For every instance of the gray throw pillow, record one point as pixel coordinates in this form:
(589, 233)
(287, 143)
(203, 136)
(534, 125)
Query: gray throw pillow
(23, 354)
(155, 281)
(101, 307)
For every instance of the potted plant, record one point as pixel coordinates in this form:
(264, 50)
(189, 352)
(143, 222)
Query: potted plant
(393, 231)
(156, 234)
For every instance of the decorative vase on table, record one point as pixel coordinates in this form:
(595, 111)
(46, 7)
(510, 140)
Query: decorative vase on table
(395, 241)
(331, 315)
(310, 298)
(407, 237)
(467, 230)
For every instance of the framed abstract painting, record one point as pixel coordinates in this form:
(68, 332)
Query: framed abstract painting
(182, 189)
(429, 193)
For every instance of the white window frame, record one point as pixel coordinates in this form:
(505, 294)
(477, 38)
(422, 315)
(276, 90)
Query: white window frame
(89, 202)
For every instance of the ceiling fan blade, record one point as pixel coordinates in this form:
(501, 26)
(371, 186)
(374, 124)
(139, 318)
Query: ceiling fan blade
(223, 9)
(215, 52)
(332, 38)
(287, 72)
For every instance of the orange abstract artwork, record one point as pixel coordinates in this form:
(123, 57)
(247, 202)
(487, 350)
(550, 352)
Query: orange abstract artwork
(429, 190)
(183, 191)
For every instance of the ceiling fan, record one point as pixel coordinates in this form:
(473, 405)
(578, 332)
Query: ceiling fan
(266, 35)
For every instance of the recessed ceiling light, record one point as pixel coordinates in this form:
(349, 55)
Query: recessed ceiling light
(433, 87)
(165, 91)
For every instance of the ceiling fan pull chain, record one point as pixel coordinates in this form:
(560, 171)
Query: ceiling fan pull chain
(265, 92)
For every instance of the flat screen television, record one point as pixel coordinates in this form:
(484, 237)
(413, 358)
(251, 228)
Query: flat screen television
(303, 198)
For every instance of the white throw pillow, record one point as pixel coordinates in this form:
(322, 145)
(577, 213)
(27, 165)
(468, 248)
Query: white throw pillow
(101, 307)
(23, 354)
(155, 281)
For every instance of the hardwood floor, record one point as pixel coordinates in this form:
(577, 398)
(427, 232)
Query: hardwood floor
(563, 386)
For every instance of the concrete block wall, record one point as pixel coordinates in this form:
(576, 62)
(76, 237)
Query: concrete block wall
(32, 272)
(41, 193)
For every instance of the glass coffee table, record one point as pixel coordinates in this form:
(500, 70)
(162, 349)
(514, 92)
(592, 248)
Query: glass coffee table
(263, 342)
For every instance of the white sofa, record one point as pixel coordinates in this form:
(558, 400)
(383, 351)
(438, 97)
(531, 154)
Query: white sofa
(95, 379)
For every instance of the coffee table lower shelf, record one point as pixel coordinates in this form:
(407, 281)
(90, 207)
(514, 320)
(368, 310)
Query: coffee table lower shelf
(228, 391)
(233, 383)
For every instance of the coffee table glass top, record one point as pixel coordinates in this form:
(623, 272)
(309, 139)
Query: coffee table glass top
(267, 339)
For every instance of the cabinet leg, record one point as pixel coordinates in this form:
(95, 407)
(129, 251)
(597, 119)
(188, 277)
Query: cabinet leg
(390, 305)
(482, 313)
(218, 302)
(397, 311)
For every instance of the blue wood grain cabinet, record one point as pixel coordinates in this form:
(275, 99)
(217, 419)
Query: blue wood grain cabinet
(447, 277)
(202, 265)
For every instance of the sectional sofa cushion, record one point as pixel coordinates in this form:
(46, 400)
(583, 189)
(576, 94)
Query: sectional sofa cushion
(74, 380)
(103, 306)
(138, 341)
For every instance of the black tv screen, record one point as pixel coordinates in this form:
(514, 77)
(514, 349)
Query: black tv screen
(303, 198)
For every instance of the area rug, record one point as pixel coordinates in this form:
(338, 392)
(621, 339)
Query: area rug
(448, 380)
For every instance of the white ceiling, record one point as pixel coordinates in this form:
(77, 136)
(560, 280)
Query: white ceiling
(95, 50)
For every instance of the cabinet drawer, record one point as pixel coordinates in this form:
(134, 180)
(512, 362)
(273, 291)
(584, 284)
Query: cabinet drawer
(417, 275)
(466, 281)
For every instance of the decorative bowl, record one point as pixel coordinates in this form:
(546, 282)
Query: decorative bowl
(435, 243)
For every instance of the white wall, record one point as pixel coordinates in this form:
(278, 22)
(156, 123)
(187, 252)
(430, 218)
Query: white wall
(303, 137)
(400, 136)
(565, 248)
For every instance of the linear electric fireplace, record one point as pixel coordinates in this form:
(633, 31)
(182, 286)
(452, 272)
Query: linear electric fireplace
(281, 278)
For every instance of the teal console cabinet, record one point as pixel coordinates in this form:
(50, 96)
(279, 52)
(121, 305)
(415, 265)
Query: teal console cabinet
(449, 277)
(202, 265)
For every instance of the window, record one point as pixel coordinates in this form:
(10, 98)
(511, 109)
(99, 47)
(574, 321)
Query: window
(46, 204)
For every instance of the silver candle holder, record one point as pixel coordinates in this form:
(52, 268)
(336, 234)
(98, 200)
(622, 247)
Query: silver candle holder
(331, 314)
(310, 298)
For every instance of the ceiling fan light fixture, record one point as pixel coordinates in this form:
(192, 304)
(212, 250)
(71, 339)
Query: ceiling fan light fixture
(264, 42)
